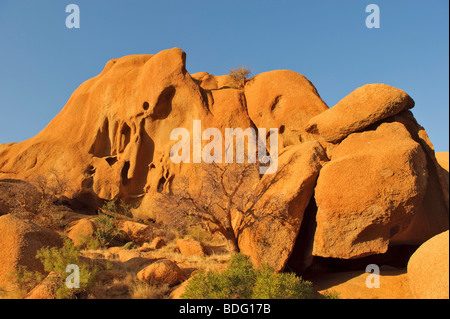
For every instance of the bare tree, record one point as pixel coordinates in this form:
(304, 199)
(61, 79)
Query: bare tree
(51, 188)
(229, 193)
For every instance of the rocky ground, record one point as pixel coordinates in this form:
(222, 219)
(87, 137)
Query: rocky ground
(152, 265)
(159, 263)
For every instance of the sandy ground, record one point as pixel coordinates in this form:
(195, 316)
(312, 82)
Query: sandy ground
(393, 284)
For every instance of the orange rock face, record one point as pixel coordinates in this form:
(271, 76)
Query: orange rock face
(285, 100)
(270, 238)
(364, 106)
(162, 272)
(19, 244)
(371, 166)
(442, 158)
(81, 230)
(112, 139)
(191, 247)
(367, 193)
(110, 132)
(428, 269)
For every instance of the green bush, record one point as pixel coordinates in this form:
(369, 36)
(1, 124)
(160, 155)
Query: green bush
(330, 295)
(23, 281)
(106, 234)
(271, 285)
(121, 209)
(107, 231)
(57, 259)
(241, 281)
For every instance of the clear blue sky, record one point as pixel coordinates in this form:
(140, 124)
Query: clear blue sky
(42, 62)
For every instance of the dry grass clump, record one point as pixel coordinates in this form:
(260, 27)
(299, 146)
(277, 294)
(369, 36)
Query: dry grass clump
(142, 290)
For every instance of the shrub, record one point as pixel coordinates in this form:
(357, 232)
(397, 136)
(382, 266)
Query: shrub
(241, 281)
(107, 230)
(198, 233)
(57, 259)
(140, 290)
(271, 285)
(240, 276)
(330, 295)
(239, 76)
(106, 234)
(23, 281)
(121, 209)
(130, 245)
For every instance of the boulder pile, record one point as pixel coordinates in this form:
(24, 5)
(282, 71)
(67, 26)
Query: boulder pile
(360, 177)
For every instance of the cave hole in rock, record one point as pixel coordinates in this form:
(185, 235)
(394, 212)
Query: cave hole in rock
(301, 257)
(125, 136)
(304, 264)
(145, 106)
(163, 106)
(275, 103)
(161, 183)
(111, 160)
(87, 183)
(90, 170)
(101, 146)
(124, 173)
(281, 129)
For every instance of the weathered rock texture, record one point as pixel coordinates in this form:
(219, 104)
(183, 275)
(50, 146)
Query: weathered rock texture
(378, 180)
(191, 247)
(428, 269)
(46, 289)
(364, 106)
(81, 231)
(285, 100)
(270, 238)
(366, 195)
(19, 243)
(162, 272)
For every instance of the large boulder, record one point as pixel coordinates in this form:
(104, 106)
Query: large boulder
(162, 272)
(191, 247)
(428, 269)
(19, 243)
(122, 149)
(431, 216)
(368, 193)
(382, 187)
(17, 195)
(361, 108)
(45, 289)
(285, 100)
(81, 231)
(269, 230)
(136, 232)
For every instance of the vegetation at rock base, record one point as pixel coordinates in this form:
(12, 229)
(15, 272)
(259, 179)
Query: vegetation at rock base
(241, 281)
(106, 234)
(24, 280)
(110, 207)
(56, 260)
